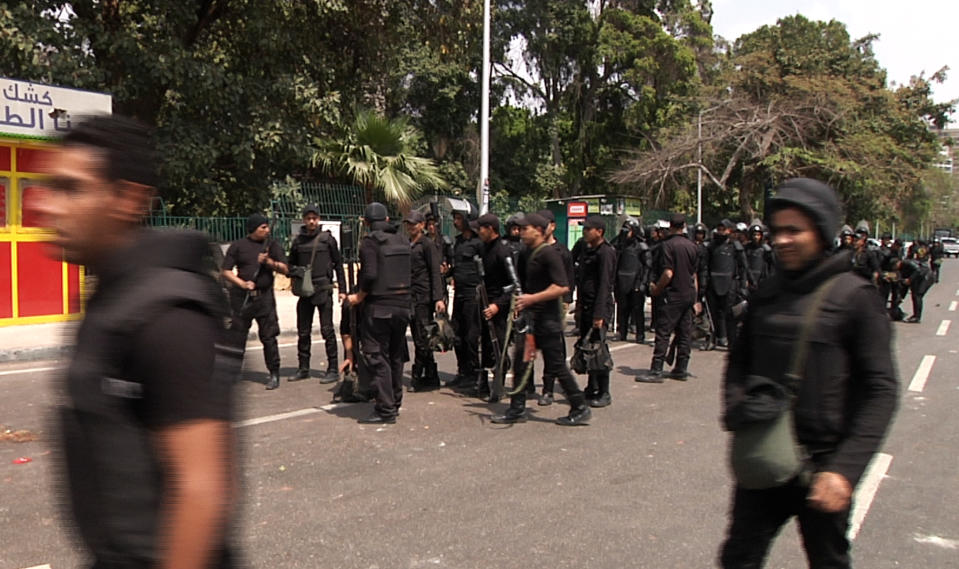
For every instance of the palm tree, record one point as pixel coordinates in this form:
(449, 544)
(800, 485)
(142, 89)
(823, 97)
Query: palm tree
(379, 154)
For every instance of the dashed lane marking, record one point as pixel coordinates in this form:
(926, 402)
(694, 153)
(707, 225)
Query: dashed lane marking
(918, 382)
(937, 541)
(866, 492)
(30, 370)
(943, 328)
(953, 305)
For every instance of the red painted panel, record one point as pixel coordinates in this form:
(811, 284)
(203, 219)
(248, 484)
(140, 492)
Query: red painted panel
(6, 282)
(32, 194)
(5, 158)
(40, 280)
(31, 159)
(73, 288)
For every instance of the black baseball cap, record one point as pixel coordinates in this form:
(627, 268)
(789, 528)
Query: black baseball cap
(595, 222)
(489, 220)
(534, 219)
(311, 208)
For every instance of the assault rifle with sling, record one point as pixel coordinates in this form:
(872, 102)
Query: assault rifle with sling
(496, 384)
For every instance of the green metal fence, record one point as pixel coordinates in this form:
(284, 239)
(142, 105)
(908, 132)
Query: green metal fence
(220, 229)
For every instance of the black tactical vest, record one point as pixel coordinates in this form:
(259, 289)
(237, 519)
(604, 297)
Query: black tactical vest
(322, 269)
(115, 477)
(393, 264)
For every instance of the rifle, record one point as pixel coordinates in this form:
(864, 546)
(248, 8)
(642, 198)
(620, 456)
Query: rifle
(521, 325)
(256, 273)
(496, 385)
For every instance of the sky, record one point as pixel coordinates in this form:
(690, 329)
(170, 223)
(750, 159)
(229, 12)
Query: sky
(914, 36)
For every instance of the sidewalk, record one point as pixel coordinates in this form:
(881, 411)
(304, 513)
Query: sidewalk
(34, 342)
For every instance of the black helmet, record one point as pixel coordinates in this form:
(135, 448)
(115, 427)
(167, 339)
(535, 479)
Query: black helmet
(631, 223)
(375, 212)
(467, 210)
(845, 231)
(700, 228)
(513, 220)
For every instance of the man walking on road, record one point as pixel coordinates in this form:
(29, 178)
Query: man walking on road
(843, 399)
(146, 427)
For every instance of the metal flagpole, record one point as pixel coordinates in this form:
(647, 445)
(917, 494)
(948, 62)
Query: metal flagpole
(482, 191)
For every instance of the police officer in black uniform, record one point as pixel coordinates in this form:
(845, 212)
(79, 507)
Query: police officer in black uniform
(865, 260)
(543, 280)
(255, 257)
(319, 250)
(595, 290)
(726, 281)
(632, 274)
(146, 420)
(444, 251)
(759, 256)
(466, 247)
(427, 290)
(549, 382)
(674, 298)
(512, 236)
(383, 299)
(917, 278)
(496, 282)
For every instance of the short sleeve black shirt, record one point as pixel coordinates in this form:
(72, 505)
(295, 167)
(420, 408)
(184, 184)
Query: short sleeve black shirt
(545, 268)
(243, 254)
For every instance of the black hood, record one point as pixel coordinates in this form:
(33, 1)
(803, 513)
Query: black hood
(816, 199)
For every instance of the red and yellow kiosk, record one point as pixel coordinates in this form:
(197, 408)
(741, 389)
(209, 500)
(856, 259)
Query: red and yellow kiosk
(34, 288)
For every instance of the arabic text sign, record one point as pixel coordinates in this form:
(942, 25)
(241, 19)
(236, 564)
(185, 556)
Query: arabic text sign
(35, 109)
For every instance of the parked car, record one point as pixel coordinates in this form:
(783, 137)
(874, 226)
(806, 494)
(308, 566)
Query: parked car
(950, 247)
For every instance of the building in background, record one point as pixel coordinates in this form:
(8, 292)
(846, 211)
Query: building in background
(33, 287)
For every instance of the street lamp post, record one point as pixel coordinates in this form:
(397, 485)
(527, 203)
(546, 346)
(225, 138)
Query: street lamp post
(699, 169)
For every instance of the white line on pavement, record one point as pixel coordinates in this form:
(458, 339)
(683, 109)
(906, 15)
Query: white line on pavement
(953, 305)
(943, 328)
(288, 415)
(29, 370)
(623, 347)
(866, 491)
(47, 566)
(918, 382)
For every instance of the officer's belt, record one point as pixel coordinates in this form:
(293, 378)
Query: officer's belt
(254, 293)
(722, 274)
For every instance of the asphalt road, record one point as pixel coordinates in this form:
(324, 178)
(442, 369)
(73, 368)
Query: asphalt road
(644, 485)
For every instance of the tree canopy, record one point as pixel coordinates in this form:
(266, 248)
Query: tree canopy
(588, 96)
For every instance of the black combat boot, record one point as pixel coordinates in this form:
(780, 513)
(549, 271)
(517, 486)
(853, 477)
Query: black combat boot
(274, 380)
(579, 413)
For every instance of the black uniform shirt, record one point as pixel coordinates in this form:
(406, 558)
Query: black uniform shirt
(497, 279)
(370, 270)
(243, 254)
(567, 259)
(546, 268)
(425, 281)
(464, 267)
(680, 255)
(596, 281)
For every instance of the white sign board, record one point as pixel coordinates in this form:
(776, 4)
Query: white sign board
(35, 110)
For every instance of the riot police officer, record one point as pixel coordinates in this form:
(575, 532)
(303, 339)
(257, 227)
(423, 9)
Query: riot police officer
(726, 276)
(383, 298)
(444, 251)
(496, 287)
(549, 382)
(759, 256)
(255, 257)
(512, 236)
(865, 261)
(918, 278)
(595, 294)
(846, 238)
(426, 291)
(543, 280)
(317, 249)
(632, 274)
(466, 247)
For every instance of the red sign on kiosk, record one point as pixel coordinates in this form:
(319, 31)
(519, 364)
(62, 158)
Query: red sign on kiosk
(577, 209)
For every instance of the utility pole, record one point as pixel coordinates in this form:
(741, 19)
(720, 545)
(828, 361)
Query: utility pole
(482, 191)
(699, 169)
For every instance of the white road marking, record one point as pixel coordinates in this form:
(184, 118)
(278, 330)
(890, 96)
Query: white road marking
(624, 346)
(953, 305)
(943, 328)
(287, 415)
(918, 382)
(47, 566)
(938, 541)
(866, 492)
(30, 370)
(957, 293)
